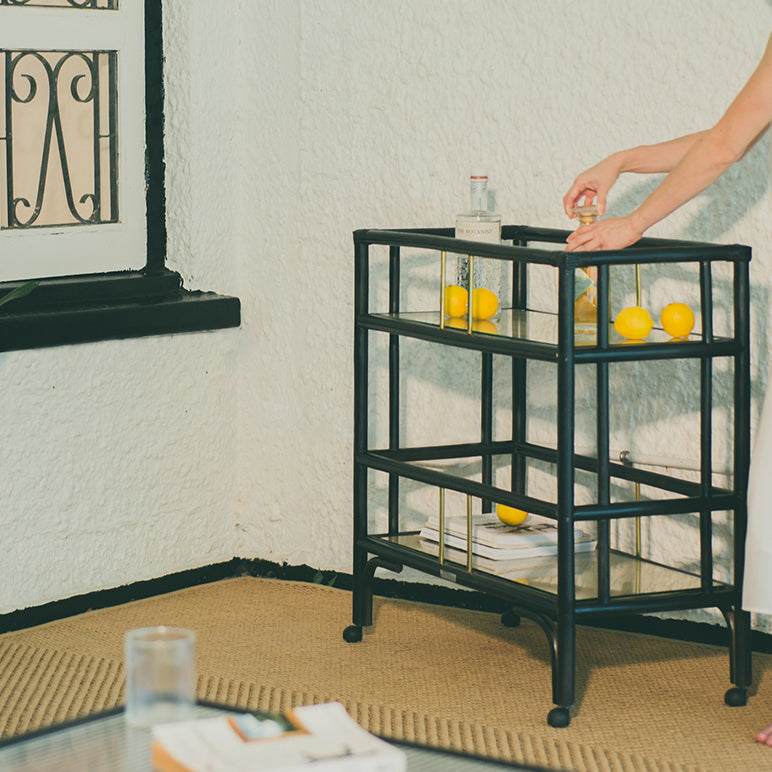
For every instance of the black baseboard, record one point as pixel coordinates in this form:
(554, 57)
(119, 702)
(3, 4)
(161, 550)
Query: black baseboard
(677, 629)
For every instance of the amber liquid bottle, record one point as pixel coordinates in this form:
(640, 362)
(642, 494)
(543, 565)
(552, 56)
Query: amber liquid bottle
(585, 279)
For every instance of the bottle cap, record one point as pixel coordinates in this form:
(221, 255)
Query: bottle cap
(586, 214)
(584, 211)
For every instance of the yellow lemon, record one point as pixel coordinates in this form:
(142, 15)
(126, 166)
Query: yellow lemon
(456, 300)
(510, 515)
(677, 319)
(484, 303)
(633, 323)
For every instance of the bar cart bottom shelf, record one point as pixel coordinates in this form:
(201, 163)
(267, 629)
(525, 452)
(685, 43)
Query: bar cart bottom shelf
(738, 623)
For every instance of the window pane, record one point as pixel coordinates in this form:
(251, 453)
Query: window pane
(60, 160)
(107, 5)
(72, 140)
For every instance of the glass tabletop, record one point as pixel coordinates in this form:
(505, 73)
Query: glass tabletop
(105, 743)
(531, 325)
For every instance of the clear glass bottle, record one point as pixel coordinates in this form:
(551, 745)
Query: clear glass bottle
(585, 279)
(478, 224)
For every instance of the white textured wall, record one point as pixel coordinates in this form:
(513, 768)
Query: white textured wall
(290, 124)
(117, 459)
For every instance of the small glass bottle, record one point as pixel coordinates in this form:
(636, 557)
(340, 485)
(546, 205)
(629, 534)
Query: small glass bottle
(585, 279)
(478, 224)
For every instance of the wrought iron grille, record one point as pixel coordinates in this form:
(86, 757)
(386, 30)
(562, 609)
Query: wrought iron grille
(59, 128)
(106, 5)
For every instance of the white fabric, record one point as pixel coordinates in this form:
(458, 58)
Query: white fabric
(757, 584)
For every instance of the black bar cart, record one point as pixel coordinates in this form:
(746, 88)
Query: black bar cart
(504, 466)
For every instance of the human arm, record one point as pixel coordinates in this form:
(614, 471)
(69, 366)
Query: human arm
(595, 182)
(708, 157)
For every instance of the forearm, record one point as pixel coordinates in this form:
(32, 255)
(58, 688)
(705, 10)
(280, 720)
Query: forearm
(658, 158)
(704, 162)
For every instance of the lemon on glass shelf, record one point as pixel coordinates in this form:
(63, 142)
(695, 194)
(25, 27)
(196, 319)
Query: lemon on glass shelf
(633, 323)
(677, 320)
(484, 303)
(456, 301)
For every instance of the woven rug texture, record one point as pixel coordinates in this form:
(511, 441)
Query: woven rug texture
(438, 676)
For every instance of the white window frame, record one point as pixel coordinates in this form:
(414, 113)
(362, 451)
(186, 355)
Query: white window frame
(83, 249)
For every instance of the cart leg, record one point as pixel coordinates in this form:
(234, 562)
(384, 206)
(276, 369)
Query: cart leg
(563, 675)
(510, 618)
(562, 655)
(740, 667)
(362, 593)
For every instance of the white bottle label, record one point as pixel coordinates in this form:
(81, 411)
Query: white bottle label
(489, 232)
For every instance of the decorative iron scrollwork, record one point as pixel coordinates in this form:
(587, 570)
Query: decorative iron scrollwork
(76, 130)
(105, 5)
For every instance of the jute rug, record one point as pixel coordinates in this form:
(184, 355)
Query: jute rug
(438, 676)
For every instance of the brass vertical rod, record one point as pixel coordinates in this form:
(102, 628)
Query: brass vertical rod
(469, 532)
(442, 526)
(637, 522)
(443, 261)
(638, 298)
(470, 290)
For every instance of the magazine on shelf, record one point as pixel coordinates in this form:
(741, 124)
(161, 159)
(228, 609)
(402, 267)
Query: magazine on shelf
(583, 543)
(323, 738)
(514, 568)
(489, 531)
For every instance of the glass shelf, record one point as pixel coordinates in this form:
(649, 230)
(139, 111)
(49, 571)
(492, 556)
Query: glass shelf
(629, 576)
(527, 325)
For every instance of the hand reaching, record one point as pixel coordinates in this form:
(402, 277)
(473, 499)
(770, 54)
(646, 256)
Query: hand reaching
(615, 233)
(592, 184)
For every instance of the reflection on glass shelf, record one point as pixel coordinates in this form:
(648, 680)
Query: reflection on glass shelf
(542, 480)
(629, 576)
(526, 325)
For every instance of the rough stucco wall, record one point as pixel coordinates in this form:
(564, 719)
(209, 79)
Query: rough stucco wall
(118, 456)
(371, 114)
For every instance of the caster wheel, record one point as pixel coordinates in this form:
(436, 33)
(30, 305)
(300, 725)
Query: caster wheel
(559, 717)
(510, 619)
(352, 634)
(736, 697)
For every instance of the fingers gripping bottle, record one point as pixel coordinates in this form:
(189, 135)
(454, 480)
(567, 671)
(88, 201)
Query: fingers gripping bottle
(585, 289)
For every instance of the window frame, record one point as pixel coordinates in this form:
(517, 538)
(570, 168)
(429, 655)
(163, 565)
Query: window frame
(114, 305)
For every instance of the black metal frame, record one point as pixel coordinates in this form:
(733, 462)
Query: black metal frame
(557, 613)
(122, 304)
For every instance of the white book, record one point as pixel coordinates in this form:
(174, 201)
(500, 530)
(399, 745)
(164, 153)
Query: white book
(584, 543)
(487, 529)
(314, 738)
(524, 567)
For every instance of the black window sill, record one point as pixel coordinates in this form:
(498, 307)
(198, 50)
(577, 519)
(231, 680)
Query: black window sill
(111, 306)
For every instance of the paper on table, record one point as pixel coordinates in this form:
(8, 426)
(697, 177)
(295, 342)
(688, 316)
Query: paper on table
(323, 738)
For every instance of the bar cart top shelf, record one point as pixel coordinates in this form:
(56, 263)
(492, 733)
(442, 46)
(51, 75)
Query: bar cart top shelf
(536, 331)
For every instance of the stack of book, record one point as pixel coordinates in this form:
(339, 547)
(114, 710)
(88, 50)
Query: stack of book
(499, 547)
